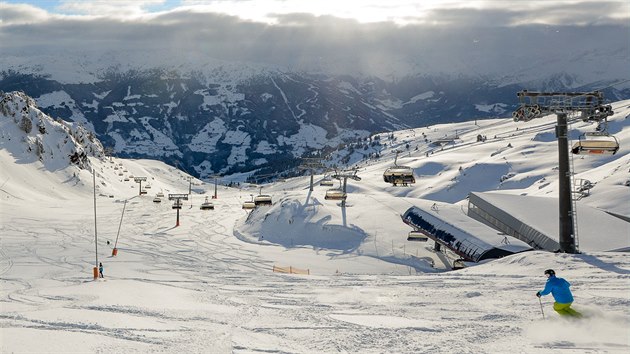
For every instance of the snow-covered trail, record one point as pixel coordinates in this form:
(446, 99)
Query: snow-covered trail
(208, 284)
(197, 288)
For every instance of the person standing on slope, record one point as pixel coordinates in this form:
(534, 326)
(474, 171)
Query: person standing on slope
(559, 288)
(100, 270)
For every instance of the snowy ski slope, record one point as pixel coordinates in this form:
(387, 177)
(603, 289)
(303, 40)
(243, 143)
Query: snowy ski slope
(207, 286)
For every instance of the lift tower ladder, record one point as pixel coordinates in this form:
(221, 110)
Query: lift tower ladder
(591, 107)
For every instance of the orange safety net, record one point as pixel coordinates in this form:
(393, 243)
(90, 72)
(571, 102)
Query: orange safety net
(290, 270)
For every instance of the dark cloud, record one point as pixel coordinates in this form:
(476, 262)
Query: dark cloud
(306, 42)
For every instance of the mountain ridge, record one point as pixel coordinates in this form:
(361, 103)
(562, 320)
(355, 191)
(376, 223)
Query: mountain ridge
(229, 117)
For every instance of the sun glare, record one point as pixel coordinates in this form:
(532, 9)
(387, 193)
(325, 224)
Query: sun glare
(364, 11)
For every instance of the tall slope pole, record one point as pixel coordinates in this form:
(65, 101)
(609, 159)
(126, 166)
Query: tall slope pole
(189, 192)
(95, 270)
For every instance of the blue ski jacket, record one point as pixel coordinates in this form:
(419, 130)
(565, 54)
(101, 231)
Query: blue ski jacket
(559, 288)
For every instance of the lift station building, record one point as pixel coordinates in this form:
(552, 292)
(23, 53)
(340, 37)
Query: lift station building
(450, 227)
(535, 221)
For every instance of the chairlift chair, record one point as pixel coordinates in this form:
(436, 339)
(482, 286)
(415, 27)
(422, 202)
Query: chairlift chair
(596, 143)
(207, 205)
(157, 200)
(177, 204)
(399, 175)
(262, 199)
(417, 236)
(249, 205)
(335, 194)
(326, 182)
(148, 186)
(459, 264)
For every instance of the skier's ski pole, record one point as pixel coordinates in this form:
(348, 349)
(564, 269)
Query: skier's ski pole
(541, 308)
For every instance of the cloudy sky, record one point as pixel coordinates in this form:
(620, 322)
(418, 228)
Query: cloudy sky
(433, 12)
(304, 33)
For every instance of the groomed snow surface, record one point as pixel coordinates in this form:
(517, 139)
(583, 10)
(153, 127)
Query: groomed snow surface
(198, 288)
(208, 286)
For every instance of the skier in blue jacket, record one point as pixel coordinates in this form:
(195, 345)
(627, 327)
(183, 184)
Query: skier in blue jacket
(559, 288)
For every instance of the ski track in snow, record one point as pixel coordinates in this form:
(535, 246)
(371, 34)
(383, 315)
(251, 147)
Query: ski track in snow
(286, 100)
(245, 308)
(206, 287)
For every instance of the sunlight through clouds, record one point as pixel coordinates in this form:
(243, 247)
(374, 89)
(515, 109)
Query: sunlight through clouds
(448, 12)
(116, 8)
(382, 38)
(363, 11)
(399, 12)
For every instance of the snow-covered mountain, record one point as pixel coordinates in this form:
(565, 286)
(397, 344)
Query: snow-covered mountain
(449, 160)
(210, 116)
(54, 143)
(61, 149)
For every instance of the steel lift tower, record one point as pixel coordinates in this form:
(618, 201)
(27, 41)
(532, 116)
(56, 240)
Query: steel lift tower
(588, 106)
(311, 164)
(344, 175)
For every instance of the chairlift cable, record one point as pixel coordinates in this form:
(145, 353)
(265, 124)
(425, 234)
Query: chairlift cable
(615, 84)
(603, 88)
